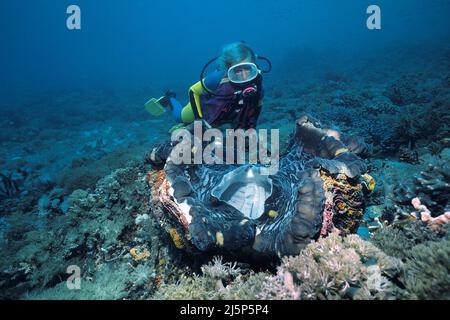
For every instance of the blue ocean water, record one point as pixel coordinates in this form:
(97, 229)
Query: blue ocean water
(72, 114)
(167, 43)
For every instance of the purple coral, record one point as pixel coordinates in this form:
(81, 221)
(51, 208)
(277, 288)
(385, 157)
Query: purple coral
(424, 214)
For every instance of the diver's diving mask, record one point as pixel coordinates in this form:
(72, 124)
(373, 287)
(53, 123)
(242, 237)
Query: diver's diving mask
(240, 73)
(243, 72)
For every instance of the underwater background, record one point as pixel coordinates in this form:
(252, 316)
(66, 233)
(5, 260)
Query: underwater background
(74, 133)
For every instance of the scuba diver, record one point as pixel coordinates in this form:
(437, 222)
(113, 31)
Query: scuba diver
(231, 95)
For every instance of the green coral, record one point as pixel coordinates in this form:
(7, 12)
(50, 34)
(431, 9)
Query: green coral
(336, 268)
(112, 281)
(426, 257)
(92, 231)
(188, 288)
(332, 268)
(247, 287)
(427, 270)
(397, 239)
(205, 288)
(219, 281)
(417, 267)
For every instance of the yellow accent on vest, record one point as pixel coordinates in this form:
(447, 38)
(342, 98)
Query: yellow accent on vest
(197, 90)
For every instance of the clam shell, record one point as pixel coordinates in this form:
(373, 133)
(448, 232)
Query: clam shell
(246, 189)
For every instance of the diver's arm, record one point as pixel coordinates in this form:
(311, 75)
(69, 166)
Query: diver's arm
(212, 82)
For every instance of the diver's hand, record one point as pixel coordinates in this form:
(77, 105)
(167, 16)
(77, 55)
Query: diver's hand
(165, 100)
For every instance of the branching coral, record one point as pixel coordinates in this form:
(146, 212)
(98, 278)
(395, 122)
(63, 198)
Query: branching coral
(407, 155)
(426, 257)
(402, 91)
(347, 100)
(395, 240)
(219, 270)
(335, 268)
(433, 187)
(427, 270)
(439, 118)
(418, 122)
(413, 125)
(425, 215)
(188, 288)
(219, 281)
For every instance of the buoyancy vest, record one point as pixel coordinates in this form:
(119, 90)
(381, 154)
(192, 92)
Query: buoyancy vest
(231, 105)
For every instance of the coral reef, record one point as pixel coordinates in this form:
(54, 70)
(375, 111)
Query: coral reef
(345, 99)
(336, 268)
(427, 271)
(397, 239)
(419, 122)
(413, 125)
(87, 172)
(403, 91)
(425, 215)
(219, 281)
(104, 232)
(431, 186)
(407, 155)
(63, 202)
(425, 255)
(139, 254)
(9, 186)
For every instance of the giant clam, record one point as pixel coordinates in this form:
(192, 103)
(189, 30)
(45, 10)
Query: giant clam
(317, 189)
